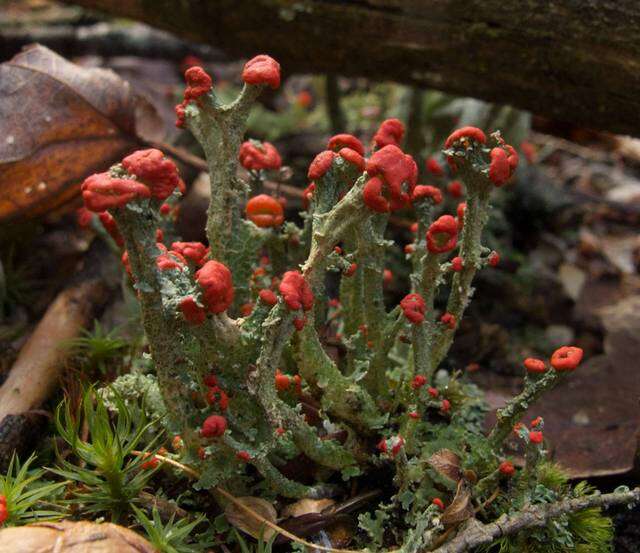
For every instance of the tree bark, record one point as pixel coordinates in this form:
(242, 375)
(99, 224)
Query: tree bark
(577, 61)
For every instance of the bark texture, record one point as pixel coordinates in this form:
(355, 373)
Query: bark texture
(574, 60)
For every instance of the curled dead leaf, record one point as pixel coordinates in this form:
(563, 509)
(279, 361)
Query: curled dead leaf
(242, 520)
(305, 507)
(460, 509)
(79, 537)
(59, 123)
(446, 463)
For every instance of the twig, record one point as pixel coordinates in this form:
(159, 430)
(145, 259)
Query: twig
(475, 533)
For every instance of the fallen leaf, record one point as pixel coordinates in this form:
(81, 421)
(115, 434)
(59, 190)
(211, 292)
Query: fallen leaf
(59, 123)
(242, 520)
(446, 463)
(460, 509)
(305, 507)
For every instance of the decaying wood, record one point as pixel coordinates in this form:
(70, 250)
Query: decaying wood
(573, 61)
(36, 371)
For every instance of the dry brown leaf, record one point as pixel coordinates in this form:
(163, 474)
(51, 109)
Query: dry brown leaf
(79, 537)
(243, 521)
(446, 463)
(59, 123)
(460, 509)
(305, 507)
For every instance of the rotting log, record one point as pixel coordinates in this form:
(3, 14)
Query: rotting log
(577, 61)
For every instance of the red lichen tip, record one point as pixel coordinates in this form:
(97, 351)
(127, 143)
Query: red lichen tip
(426, 191)
(110, 225)
(213, 426)
(217, 286)
(296, 291)
(264, 211)
(535, 437)
(351, 270)
(198, 83)
(256, 156)
(449, 320)
(192, 312)
(457, 264)
(534, 365)
(390, 131)
(433, 392)
(262, 70)
(566, 358)
(438, 503)
(445, 406)
(507, 468)
(418, 381)
(282, 381)
(196, 252)
(434, 167)
(339, 141)
(101, 192)
(455, 189)
(493, 259)
(353, 157)
(321, 164)
(472, 133)
(152, 168)
(442, 235)
(268, 297)
(413, 308)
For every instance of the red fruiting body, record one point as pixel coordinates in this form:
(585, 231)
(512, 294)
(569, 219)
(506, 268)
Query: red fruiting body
(153, 169)
(418, 381)
(110, 225)
(299, 323)
(566, 358)
(217, 286)
(387, 277)
(191, 311)
(351, 270)
(339, 141)
(213, 426)
(397, 446)
(529, 151)
(433, 392)
(513, 158)
(304, 99)
(262, 69)
(151, 463)
(255, 156)
(373, 198)
(307, 194)
(181, 114)
(198, 83)
(438, 503)
(434, 167)
(352, 157)
(414, 415)
(424, 191)
(125, 262)
(170, 260)
(282, 381)
(536, 422)
(534, 365)
(219, 396)
(494, 259)
(390, 131)
(382, 445)
(472, 133)
(280, 431)
(398, 171)
(246, 309)
(321, 164)
(455, 189)
(296, 291)
(165, 209)
(409, 248)
(4, 512)
(101, 192)
(445, 405)
(243, 456)
(507, 468)
(442, 235)
(83, 217)
(413, 308)
(195, 252)
(449, 320)
(457, 264)
(160, 235)
(202, 453)
(517, 427)
(338, 250)
(265, 211)
(535, 437)
(177, 443)
(268, 297)
(414, 226)
(499, 169)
